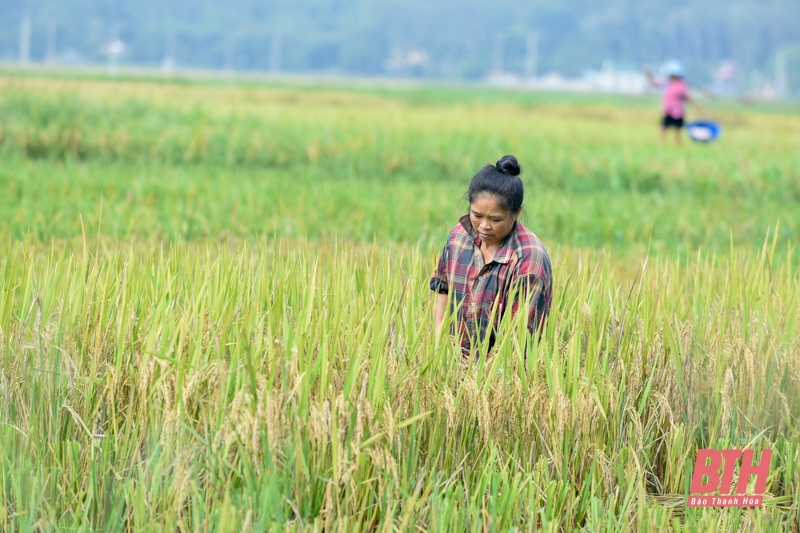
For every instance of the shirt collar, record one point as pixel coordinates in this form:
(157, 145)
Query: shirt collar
(506, 250)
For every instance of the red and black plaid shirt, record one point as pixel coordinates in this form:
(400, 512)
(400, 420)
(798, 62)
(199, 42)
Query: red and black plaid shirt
(475, 287)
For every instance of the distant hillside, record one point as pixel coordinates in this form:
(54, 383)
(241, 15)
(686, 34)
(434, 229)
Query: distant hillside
(456, 39)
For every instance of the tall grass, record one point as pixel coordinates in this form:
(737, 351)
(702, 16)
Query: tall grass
(186, 162)
(245, 342)
(253, 387)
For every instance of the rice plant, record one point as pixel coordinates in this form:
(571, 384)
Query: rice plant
(208, 387)
(192, 340)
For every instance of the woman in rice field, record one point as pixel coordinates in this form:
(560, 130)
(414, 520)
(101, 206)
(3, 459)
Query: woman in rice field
(490, 258)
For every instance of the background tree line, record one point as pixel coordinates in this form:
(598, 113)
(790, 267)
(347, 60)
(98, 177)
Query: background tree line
(446, 39)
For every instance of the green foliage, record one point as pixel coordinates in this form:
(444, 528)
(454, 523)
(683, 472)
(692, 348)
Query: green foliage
(191, 162)
(215, 315)
(225, 387)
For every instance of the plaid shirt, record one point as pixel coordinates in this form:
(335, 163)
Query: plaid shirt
(476, 287)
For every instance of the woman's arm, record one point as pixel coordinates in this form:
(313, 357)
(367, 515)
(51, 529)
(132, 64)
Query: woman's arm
(650, 78)
(439, 285)
(697, 107)
(438, 311)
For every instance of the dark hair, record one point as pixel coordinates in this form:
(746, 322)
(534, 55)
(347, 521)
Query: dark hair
(502, 180)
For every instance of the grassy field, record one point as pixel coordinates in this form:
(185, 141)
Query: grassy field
(214, 312)
(183, 162)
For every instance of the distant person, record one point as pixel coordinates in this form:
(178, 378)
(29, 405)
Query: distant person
(676, 92)
(487, 256)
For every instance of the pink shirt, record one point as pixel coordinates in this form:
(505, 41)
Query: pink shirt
(675, 95)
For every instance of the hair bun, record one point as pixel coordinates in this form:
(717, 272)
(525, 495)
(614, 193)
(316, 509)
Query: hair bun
(508, 165)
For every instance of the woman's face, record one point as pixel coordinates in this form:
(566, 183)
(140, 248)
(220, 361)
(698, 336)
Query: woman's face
(490, 220)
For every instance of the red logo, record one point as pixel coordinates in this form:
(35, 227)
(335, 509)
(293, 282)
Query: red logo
(730, 495)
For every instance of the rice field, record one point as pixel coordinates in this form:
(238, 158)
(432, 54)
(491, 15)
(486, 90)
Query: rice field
(214, 313)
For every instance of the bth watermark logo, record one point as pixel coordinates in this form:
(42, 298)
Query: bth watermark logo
(724, 462)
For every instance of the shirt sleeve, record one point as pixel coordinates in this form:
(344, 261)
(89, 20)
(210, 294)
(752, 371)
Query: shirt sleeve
(533, 284)
(440, 281)
(538, 294)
